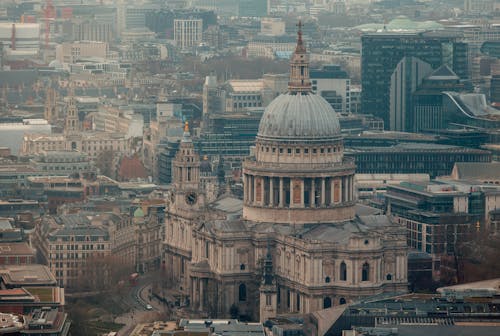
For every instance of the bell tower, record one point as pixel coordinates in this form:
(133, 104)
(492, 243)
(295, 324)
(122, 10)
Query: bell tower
(50, 111)
(186, 174)
(268, 290)
(72, 124)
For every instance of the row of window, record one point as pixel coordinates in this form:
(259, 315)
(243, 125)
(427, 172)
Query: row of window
(61, 256)
(321, 150)
(76, 247)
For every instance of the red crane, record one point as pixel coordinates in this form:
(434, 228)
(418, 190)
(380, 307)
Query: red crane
(49, 13)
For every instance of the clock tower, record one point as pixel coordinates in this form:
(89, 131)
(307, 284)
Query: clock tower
(186, 175)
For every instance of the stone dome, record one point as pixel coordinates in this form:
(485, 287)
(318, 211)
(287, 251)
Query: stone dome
(299, 116)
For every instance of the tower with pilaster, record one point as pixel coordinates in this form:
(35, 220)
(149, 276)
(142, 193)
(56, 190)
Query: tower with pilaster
(72, 124)
(186, 175)
(50, 110)
(268, 291)
(186, 205)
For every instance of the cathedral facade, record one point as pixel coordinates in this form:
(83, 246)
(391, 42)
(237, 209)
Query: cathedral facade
(296, 243)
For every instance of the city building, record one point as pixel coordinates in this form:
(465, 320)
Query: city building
(440, 215)
(47, 321)
(269, 46)
(70, 52)
(13, 132)
(188, 33)
(470, 110)
(427, 100)
(26, 288)
(405, 79)
(272, 26)
(469, 310)
(92, 143)
(93, 30)
(333, 84)
(58, 190)
(16, 253)
(479, 6)
(296, 227)
(20, 40)
(382, 52)
(75, 252)
(62, 163)
(413, 158)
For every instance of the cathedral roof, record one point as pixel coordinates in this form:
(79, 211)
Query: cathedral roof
(299, 117)
(299, 114)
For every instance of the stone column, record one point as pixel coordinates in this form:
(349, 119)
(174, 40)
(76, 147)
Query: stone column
(313, 194)
(354, 277)
(349, 188)
(249, 189)
(254, 185)
(344, 189)
(302, 189)
(323, 194)
(201, 293)
(191, 292)
(281, 194)
(352, 187)
(291, 193)
(271, 191)
(332, 191)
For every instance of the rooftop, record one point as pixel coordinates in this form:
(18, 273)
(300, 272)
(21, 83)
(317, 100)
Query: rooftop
(478, 170)
(16, 249)
(26, 275)
(246, 85)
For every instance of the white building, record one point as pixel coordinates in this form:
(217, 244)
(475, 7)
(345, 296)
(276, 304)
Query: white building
(71, 52)
(188, 32)
(20, 38)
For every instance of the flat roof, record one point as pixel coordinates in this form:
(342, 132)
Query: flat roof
(16, 249)
(26, 275)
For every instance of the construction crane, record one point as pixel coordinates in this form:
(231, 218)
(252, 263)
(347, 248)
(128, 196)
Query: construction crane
(49, 13)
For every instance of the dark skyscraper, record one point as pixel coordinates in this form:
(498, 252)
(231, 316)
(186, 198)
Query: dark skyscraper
(382, 52)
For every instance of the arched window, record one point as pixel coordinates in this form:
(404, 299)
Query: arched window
(327, 303)
(342, 301)
(242, 292)
(389, 277)
(242, 267)
(365, 273)
(343, 271)
(327, 279)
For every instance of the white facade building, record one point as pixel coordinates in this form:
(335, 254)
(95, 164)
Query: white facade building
(188, 32)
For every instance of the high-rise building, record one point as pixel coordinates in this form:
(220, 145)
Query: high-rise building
(188, 32)
(212, 102)
(93, 30)
(381, 53)
(427, 100)
(404, 81)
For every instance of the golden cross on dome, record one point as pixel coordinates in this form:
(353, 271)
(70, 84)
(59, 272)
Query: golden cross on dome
(186, 126)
